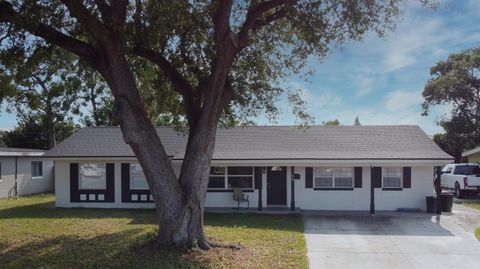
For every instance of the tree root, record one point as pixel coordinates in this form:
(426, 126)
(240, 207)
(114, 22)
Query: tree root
(207, 245)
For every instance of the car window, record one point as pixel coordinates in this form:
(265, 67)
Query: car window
(467, 170)
(447, 169)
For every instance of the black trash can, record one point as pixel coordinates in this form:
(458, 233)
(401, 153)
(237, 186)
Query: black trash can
(446, 202)
(431, 204)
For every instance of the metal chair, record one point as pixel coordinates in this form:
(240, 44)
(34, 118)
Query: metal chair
(240, 197)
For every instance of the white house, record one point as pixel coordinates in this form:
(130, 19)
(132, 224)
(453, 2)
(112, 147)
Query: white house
(321, 168)
(473, 155)
(23, 171)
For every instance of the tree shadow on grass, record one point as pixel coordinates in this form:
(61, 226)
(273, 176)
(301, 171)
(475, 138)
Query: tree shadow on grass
(127, 249)
(147, 216)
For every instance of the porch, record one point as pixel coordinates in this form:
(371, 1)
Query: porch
(266, 210)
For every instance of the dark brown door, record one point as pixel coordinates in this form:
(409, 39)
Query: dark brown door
(277, 186)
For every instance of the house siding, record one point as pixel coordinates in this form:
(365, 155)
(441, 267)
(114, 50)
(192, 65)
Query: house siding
(474, 158)
(26, 184)
(357, 199)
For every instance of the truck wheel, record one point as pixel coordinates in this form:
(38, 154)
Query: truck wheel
(458, 192)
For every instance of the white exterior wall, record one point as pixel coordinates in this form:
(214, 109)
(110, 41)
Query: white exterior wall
(306, 199)
(26, 184)
(359, 198)
(414, 197)
(310, 199)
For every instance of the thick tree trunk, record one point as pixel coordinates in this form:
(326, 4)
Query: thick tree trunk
(50, 127)
(179, 203)
(140, 134)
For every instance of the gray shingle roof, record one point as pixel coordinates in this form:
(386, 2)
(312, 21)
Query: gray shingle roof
(271, 142)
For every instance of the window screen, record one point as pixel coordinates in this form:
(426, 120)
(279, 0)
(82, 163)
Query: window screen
(137, 178)
(92, 176)
(37, 169)
(326, 177)
(392, 177)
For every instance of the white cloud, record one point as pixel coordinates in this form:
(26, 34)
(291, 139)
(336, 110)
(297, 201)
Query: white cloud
(402, 100)
(321, 99)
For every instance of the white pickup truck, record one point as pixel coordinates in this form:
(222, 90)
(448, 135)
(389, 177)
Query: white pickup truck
(461, 177)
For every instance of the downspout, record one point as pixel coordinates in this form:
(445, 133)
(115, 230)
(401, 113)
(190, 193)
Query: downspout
(16, 181)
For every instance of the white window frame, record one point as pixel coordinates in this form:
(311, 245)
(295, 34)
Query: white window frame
(131, 181)
(401, 177)
(80, 175)
(219, 176)
(41, 169)
(315, 176)
(226, 178)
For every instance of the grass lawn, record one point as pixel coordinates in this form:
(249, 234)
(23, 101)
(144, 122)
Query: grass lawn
(476, 206)
(35, 234)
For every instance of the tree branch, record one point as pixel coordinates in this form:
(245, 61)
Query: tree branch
(254, 14)
(180, 83)
(221, 21)
(120, 11)
(80, 48)
(89, 22)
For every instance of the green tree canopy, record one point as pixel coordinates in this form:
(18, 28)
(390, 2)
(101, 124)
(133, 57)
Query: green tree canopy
(334, 122)
(30, 132)
(456, 84)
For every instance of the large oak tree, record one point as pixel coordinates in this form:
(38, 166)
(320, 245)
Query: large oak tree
(212, 57)
(455, 82)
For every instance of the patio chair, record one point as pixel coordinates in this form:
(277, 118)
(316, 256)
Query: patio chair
(240, 197)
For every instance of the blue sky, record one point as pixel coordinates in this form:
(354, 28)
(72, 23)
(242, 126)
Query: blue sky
(381, 80)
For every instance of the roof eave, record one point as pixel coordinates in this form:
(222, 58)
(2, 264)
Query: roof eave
(471, 152)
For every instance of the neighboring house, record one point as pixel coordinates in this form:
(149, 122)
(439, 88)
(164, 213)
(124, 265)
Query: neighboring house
(472, 155)
(23, 171)
(320, 168)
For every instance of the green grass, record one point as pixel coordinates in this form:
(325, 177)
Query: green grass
(35, 234)
(476, 206)
(472, 205)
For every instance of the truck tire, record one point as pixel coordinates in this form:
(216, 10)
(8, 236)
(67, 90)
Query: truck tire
(459, 193)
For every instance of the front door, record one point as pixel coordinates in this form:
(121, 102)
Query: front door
(277, 186)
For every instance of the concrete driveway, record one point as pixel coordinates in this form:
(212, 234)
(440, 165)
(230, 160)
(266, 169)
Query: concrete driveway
(394, 240)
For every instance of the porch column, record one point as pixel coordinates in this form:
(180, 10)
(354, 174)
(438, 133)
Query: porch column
(292, 189)
(258, 185)
(438, 188)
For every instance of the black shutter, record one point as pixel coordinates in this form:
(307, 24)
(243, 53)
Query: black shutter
(377, 177)
(308, 177)
(126, 183)
(74, 193)
(258, 178)
(110, 194)
(358, 177)
(407, 177)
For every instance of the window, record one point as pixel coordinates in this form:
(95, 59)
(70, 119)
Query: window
(447, 169)
(138, 181)
(235, 176)
(326, 177)
(92, 176)
(392, 177)
(217, 177)
(37, 169)
(467, 170)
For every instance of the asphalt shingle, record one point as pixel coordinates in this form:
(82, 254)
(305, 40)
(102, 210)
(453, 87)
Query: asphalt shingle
(271, 142)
